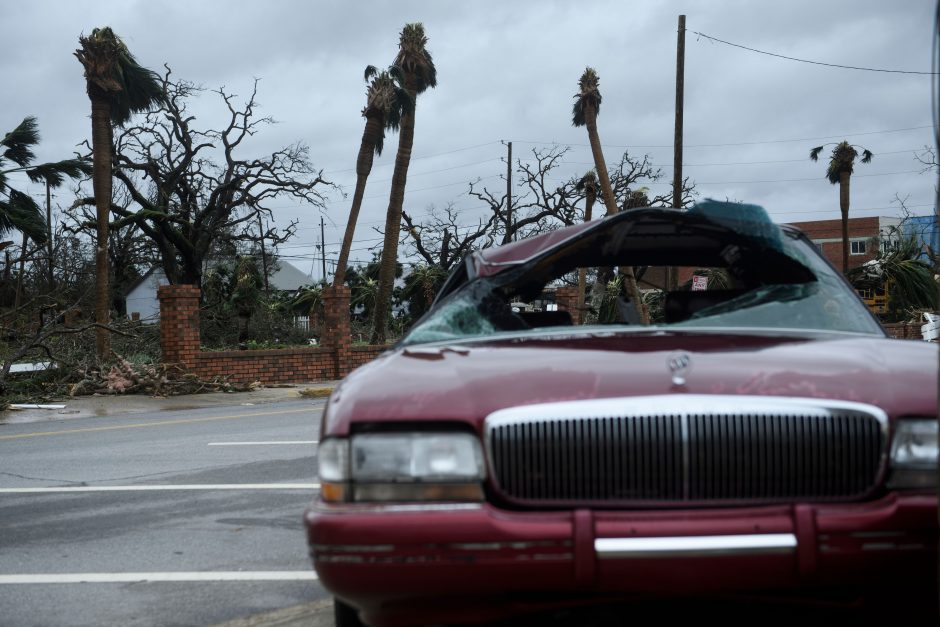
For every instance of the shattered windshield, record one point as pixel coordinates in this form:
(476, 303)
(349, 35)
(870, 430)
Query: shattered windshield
(751, 275)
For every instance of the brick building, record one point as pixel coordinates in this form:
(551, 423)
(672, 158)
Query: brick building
(866, 236)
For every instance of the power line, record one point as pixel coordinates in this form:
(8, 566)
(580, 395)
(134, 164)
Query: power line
(814, 178)
(438, 154)
(836, 65)
(752, 143)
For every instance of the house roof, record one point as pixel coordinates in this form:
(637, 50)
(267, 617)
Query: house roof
(288, 278)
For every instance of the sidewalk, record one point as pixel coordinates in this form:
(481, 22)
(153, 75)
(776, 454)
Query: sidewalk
(106, 405)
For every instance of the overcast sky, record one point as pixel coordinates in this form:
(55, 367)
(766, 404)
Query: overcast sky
(507, 71)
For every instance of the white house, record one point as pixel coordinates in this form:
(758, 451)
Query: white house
(142, 297)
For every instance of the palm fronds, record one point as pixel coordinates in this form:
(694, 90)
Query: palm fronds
(588, 95)
(18, 142)
(19, 211)
(908, 279)
(413, 59)
(112, 70)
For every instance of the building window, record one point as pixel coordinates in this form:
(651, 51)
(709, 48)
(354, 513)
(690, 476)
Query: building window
(889, 245)
(858, 248)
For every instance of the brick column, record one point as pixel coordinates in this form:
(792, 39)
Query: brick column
(336, 337)
(179, 324)
(567, 300)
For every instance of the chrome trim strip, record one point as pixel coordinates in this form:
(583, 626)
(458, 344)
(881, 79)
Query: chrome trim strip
(678, 404)
(608, 548)
(320, 507)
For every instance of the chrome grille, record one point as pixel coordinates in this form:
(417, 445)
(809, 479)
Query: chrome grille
(686, 449)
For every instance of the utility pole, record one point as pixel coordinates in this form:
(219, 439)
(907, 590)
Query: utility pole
(672, 274)
(323, 249)
(49, 236)
(264, 256)
(677, 137)
(19, 277)
(509, 237)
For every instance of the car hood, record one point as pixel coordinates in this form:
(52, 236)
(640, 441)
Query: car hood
(465, 382)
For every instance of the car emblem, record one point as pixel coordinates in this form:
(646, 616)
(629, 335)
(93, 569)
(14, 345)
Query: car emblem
(679, 365)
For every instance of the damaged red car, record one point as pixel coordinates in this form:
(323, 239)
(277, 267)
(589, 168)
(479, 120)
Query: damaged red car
(518, 451)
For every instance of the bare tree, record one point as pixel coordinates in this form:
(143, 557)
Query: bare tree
(440, 241)
(193, 189)
(544, 205)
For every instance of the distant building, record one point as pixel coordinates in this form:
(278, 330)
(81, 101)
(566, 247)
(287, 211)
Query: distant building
(925, 231)
(866, 237)
(142, 296)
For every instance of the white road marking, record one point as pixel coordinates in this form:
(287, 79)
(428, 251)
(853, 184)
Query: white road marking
(261, 443)
(167, 487)
(262, 575)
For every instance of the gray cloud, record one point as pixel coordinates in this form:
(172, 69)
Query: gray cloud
(507, 71)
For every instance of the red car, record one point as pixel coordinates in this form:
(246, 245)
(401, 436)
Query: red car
(760, 437)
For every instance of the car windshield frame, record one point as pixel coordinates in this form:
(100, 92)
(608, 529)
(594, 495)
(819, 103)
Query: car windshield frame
(796, 285)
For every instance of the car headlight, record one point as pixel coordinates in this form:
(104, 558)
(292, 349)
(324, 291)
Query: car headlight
(402, 467)
(914, 454)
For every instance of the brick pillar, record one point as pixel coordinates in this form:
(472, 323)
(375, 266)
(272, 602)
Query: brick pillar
(336, 337)
(179, 324)
(567, 300)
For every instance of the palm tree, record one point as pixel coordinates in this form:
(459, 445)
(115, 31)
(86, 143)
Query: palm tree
(587, 104)
(18, 210)
(117, 87)
(588, 185)
(904, 274)
(417, 71)
(841, 165)
(386, 102)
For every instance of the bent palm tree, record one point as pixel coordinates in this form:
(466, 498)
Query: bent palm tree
(117, 87)
(588, 185)
(18, 210)
(841, 166)
(587, 105)
(386, 101)
(416, 67)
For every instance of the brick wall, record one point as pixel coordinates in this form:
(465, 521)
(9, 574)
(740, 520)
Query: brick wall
(335, 335)
(333, 359)
(904, 330)
(361, 355)
(567, 300)
(179, 324)
(267, 366)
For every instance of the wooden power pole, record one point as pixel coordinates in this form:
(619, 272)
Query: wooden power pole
(509, 237)
(323, 249)
(49, 236)
(672, 274)
(677, 137)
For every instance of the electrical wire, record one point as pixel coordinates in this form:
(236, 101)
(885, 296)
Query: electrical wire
(835, 65)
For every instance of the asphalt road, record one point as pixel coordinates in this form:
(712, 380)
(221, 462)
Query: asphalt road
(185, 517)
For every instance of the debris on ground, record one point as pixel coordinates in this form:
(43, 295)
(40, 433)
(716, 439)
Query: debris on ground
(316, 392)
(125, 377)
